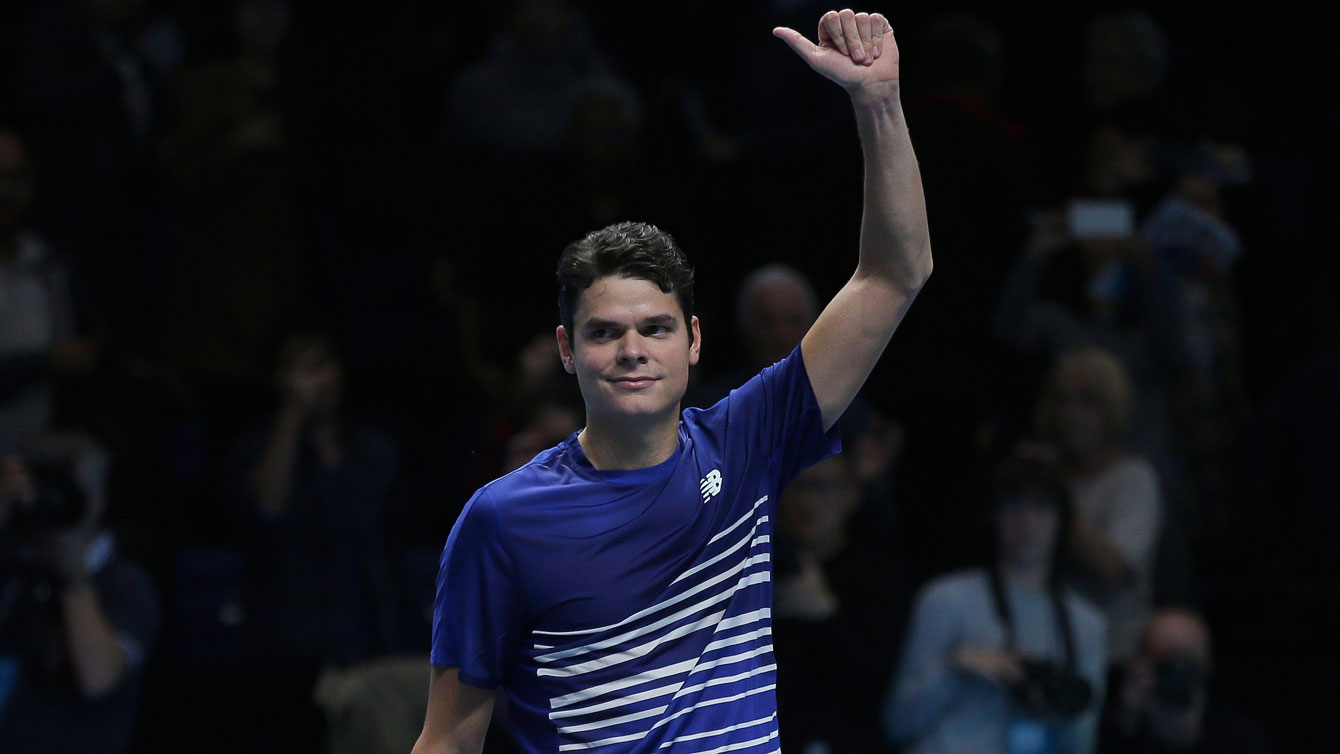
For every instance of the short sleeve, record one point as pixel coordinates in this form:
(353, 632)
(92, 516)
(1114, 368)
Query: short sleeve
(478, 617)
(1133, 524)
(780, 414)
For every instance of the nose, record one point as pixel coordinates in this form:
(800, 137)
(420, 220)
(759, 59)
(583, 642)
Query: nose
(632, 349)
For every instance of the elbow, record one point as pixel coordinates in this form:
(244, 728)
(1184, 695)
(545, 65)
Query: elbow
(920, 270)
(96, 686)
(927, 268)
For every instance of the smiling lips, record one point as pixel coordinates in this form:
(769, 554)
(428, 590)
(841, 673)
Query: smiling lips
(635, 382)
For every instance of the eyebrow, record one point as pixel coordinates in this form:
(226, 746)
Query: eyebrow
(668, 320)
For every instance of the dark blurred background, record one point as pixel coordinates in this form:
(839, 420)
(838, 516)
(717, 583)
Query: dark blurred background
(290, 265)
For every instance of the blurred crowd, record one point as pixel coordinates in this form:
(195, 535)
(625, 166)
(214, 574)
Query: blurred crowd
(276, 296)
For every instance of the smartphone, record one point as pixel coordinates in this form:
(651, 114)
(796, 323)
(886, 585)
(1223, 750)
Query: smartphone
(1100, 218)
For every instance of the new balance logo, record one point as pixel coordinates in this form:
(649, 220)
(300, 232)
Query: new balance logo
(711, 485)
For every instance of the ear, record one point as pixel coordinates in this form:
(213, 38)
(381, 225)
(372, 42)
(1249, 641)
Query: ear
(696, 349)
(565, 350)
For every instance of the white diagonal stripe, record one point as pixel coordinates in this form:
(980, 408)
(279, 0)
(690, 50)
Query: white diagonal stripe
(731, 641)
(623, 683)
(643, 715)
(719, 731)
(733, 526)
(681, 577)
(726, 553)
(618, 702)
(732, 659)
(630, 654)
(635, 736)
(643, 649)
(752, 616)
(725, 679)
(563, 654)
(602, 742)
(713, 702)
(670, 688)
(740, 745)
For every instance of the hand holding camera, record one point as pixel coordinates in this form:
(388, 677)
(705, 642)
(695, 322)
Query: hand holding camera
(45, 516)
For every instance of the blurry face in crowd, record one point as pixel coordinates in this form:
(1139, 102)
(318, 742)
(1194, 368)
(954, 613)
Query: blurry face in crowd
(16, 184)
(817, 503)
(776, 317)
(549, 426)
(1176, 633)
(1077, 410)
(262, 24)
(630, 349)
(1026, 530)
(310, 374)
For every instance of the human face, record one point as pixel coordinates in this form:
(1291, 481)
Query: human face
(1082, 431)
(778, 317)
(630, 349)
(817, 504)
(1026, 528)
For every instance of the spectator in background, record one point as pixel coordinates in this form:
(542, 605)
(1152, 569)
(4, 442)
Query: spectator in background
(774, 307)
(1004, 658)
(521, 99)
(1084, 410)
(88, 79)
(981, 178)
(1081, 286)
(838, 594)
(1125, 59)
(1164, 703)
(37, 310)
(318, 489)
(76, 619)
(237, 271)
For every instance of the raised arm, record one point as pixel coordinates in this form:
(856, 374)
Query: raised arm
(858, 51)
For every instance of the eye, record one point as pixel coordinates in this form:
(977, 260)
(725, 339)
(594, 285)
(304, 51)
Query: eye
(656, 330)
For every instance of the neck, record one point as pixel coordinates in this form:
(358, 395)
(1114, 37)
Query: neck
(1026, 575)
(611, 446)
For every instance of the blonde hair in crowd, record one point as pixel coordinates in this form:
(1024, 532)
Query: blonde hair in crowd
(1103, 375)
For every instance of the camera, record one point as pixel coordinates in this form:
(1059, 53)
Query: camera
(56, 500)
(1176, 680)
(1048, 690)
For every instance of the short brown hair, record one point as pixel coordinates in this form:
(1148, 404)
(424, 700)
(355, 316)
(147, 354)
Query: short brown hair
(626, 249)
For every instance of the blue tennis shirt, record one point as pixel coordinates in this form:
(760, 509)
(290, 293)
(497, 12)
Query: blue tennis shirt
(630, 611)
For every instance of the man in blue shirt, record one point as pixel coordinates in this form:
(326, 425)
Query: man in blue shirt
(618, 586)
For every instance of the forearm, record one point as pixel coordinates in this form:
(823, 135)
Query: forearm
(273, 475)
(96, 657)
(915, 706)
(1100, 559)
(895, 239)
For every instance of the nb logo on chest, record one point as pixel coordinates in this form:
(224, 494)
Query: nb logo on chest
(711, 484)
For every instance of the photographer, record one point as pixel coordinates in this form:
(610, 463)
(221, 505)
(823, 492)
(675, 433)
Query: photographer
(1164, 704)
(76, 621)
(1004, 658)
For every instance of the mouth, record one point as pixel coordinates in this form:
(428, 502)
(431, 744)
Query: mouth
(635, 382)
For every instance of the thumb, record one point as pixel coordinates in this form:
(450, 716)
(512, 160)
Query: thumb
(795, 40)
